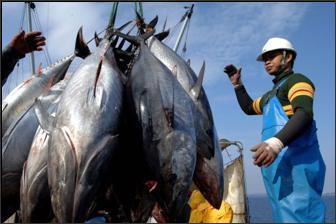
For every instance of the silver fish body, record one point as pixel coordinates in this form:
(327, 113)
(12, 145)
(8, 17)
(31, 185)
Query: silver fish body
(34, 191)
(84, 135)
(164, 113)
(23, 96)
(209, 168)
(16, 144)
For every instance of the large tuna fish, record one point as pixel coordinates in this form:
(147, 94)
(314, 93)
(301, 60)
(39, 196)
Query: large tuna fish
(84, 134)
(209, 168)
(15, 149)
(34, 190)
(17, 140)
(166, 128)
(24, 95)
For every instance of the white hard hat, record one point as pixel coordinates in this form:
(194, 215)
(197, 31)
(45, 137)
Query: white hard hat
(276, 43)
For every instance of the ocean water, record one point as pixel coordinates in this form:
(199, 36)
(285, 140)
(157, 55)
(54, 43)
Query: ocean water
(261, 212)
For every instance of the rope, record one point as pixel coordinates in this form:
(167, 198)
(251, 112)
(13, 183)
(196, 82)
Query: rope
(97, 35)
(14, 79)
(23, 14)
(39, 26)
(172, 33)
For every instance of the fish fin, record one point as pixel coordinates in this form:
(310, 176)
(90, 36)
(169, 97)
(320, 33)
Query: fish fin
(44, 119)
(97, 76)
(97, 39)
(188, 61)
(161, 36)
(208, 177)
(39, 70)
(164, 25)
(152, 23)
(81, 48)
(124, 26)
(196, 89)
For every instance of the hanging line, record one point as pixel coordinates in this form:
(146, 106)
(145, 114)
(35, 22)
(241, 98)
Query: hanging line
(172, 32)
(39, 27)
(14, 79)
(23, 14)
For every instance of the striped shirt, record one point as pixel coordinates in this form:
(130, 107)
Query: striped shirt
(296, 98)
(296, 92)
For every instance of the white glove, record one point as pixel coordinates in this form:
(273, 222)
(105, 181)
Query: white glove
(266, 152)
(274, 144)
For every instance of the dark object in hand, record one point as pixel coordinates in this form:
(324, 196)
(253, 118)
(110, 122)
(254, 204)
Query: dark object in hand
(230, 70)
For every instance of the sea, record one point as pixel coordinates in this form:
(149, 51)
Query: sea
(260, 209)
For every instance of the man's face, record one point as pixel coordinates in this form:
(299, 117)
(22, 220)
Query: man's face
(272, 62)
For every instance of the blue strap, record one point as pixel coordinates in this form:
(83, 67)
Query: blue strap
(275, 90)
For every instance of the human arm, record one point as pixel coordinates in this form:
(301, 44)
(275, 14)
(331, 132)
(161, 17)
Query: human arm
(266, 152)
(300, 94)
(21, 44)
(249, 106)
(9, 58)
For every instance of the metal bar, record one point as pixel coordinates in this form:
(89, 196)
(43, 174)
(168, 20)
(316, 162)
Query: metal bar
(113, 14)
(30, 29)
(187, 17)
(247, 216)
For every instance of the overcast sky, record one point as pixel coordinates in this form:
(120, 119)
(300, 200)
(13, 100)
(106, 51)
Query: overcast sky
(220, 33)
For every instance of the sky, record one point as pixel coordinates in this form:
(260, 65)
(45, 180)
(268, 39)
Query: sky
(220, 33)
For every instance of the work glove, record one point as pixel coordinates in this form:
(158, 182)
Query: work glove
(266, 152)
(25, 43)
(234, 75)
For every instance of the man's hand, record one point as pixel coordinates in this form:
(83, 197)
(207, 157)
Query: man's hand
(234, 74)
(25, 43)
(266, 152)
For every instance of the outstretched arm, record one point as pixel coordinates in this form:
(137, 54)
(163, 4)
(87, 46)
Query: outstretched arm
(246, 103)
(20, 45)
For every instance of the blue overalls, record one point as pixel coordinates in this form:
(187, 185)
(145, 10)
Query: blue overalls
(294, 181)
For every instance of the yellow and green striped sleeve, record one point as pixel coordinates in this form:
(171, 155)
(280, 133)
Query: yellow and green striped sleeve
(300, 89)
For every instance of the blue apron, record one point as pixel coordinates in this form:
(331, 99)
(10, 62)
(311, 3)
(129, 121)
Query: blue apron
(294, 181)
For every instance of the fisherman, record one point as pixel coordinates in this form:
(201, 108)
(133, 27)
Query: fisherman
(21, 44)
(291, 163)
